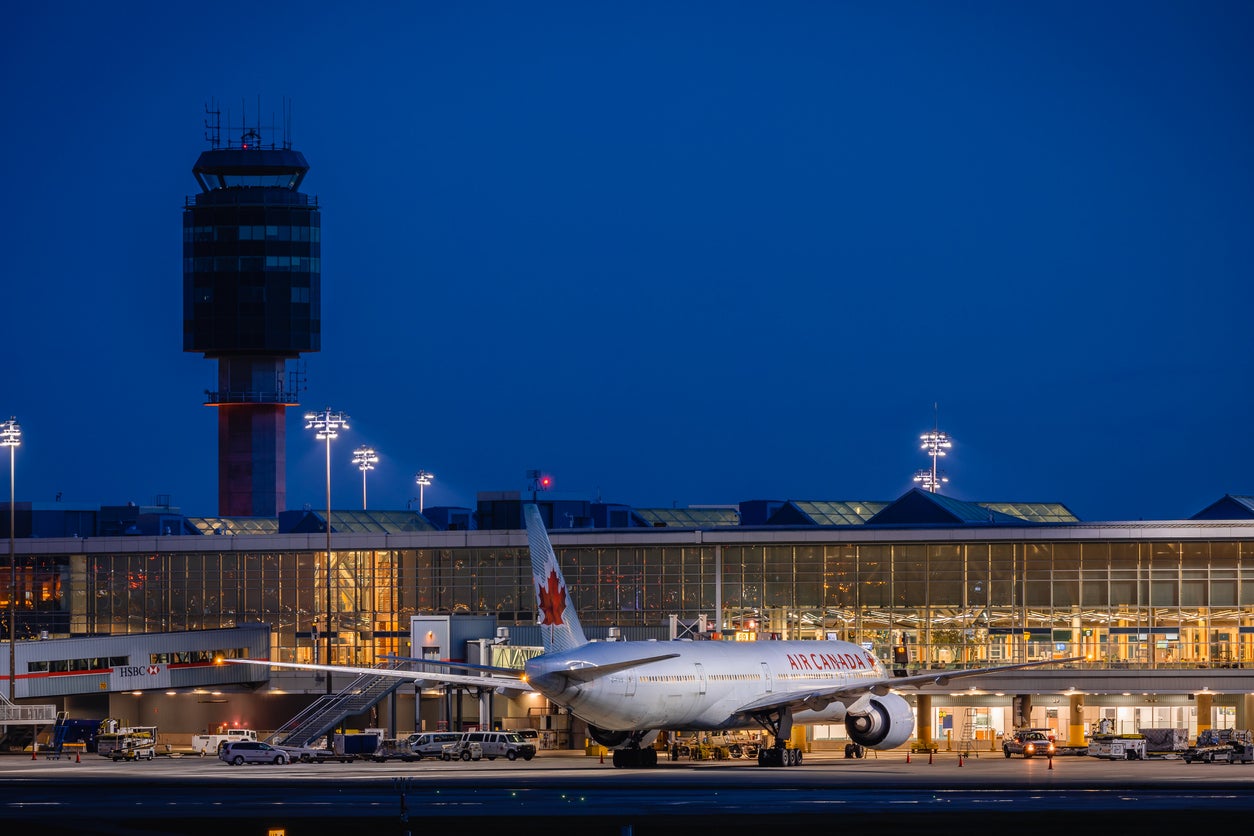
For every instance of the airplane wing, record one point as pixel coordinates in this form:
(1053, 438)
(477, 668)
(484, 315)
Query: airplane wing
(499, 683)
(818, 699)
(591, 672)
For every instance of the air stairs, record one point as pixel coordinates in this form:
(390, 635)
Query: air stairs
(329, 710)
(966, 736)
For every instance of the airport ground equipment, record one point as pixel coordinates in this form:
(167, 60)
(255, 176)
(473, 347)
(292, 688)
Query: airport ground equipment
(1165, 743)
(355, 746)
(1221, 746)
(128, 743)
(209, 744)
(72, 736)
(1118, 747)
(310, 754)
(393, 749)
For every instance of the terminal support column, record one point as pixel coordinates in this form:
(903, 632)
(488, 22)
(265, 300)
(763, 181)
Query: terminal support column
(925, 721)
(1245, 711)
(1204, 701)
(1075, 726)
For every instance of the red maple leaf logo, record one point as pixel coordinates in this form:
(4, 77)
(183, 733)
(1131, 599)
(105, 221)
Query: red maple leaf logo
(552, 600)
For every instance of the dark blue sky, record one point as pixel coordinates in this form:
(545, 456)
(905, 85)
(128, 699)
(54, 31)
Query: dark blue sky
(668, 252)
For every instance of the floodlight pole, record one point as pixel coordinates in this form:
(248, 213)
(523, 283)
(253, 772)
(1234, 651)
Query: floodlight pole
(365, 459)
(935, 443)
(11, 437)
(326, 425)
(423, 478)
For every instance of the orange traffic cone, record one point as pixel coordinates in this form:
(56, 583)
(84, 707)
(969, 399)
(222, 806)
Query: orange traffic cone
(76, 757)
(602, 754)
(907, 756)
(929, 755)
(960, 759)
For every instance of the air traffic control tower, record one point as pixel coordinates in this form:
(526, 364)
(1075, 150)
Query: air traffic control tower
(251, 301)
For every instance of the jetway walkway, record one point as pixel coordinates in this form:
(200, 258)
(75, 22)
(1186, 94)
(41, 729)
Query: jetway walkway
(20, 723)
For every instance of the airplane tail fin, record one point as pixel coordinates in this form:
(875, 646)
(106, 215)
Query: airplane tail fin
(558, 621)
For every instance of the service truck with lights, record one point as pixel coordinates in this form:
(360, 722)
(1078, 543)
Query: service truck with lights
(208, 744)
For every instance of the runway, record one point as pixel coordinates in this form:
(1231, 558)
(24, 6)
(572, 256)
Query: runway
(192, 795)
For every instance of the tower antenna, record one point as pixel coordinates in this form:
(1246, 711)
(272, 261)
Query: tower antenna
(213, 124)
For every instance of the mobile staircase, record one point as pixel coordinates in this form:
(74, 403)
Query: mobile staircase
(966, 734)
(329, 710)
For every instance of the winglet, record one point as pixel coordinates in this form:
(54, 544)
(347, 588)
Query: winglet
(557, 616)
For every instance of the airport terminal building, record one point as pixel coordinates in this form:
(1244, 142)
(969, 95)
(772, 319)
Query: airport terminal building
(1162, 613)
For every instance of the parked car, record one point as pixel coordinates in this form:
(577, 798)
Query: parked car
(239, 752)
(431, 744)
(1028, 743)
(490, 745)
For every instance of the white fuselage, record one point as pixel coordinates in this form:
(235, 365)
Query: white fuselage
(704, 686)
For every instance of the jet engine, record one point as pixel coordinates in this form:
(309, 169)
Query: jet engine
(618, 739)
(887, 723)
(608, 739)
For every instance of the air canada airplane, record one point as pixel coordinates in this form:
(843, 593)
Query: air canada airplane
(628, 691)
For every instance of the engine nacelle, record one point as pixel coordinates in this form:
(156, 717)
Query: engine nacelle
(618, 739)
(608, 739)
(887, 723)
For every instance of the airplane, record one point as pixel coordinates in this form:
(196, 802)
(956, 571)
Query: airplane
(629, 691)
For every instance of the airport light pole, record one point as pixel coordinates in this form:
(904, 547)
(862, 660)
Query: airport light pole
(11, 437)
(365, 459)
(935, 443)
(326, 426)
(929, 480)
(423, 479)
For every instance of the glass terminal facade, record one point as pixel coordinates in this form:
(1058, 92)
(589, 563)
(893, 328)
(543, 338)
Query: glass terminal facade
(1132, 598)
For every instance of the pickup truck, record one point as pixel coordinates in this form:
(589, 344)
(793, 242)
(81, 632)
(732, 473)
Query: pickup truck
(1028, 743)
(209, 744)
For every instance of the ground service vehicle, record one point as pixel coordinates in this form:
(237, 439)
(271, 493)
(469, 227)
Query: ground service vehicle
(1117, 747)
(128, 743)
(308, 754)
(252, 751)
(1221, 745)
(1029, 744)
(392, 749)
(355, 745)
(492, 745)
(431, 744)
(208, 744)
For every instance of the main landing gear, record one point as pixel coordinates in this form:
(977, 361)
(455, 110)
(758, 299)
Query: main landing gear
(634, 757)
(779, 724)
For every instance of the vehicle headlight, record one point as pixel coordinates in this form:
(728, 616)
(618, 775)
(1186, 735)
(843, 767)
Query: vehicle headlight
(1031, 747)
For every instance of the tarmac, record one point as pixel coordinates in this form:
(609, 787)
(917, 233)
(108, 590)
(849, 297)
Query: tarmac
(888, 793)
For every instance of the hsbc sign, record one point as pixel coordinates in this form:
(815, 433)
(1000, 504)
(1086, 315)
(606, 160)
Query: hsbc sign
(139, 677)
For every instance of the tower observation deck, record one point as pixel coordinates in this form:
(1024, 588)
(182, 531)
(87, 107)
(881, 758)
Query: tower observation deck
(252, 301)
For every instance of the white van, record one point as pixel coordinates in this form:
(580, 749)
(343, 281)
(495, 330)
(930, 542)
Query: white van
(491, 745)
(431, 744)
